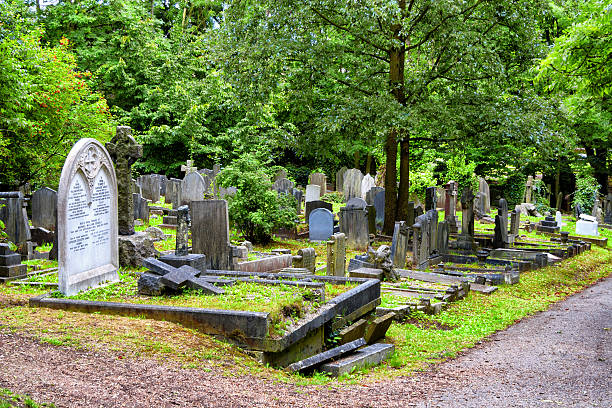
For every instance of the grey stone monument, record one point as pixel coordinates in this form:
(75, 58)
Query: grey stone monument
(312, 205)
(352, 184)
(313, 192)
(340, 178)
(87, 225)
(465, 240)
(319, 179)
(210, 233)
(399, 244)
(336, 255)
(366, 184)
(320, 224)
(44, 208)
(193, 188)
(354, 225)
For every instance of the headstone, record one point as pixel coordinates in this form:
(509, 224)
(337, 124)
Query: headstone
(193, 188)
(210, 233)
(441, 197)
(371, 219)
(10, 263)
(281, 174)
(283, 185)
(141, 207)
(443, 234)
(298, 195)
(189, 167)
(320, 180)
(608, 209)
(182, 231)
(340, 179)
(372, 193)
(313, 192)
(596, 209)
(379, 205)
(366, 184)
(354, 225)
(87, 229)
(587, 225)
(421, 242)
(466, 238)
(500, 239)
(352, 184)
(173, 193)
(15, 217)
(124, 151)
(336, 255)
(559, 219)
(163, 182)
(577, 210)
(313, 205)
(431, 199)
(320, 224)
(528, 189)
(411, 214)
(399, 245)
(483, 189)
(44, 208)
(515, 222)
(306, 259)
(356, 202)
(559, 200)
(450, 205)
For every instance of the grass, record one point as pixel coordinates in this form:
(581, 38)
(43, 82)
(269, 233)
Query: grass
(9, 399)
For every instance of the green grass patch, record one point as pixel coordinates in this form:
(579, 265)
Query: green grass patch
(9, 399)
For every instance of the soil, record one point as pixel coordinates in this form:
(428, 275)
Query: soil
(558, 358)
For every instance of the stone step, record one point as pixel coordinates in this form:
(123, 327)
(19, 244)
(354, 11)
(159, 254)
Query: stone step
(318, 359)
(367, 356)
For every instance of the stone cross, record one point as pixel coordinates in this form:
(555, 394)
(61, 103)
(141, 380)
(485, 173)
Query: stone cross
(124, 151)
(189, 168)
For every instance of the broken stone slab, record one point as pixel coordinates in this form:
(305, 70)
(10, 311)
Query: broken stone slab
(202, 285)
(197, 261)
(356, 314)
(318, 359)
(367, 356)
(179, 278)
(378, 328)
(353, 332)
(368, 273)
(150, 285)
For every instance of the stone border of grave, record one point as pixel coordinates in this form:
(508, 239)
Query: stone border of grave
(246, 329)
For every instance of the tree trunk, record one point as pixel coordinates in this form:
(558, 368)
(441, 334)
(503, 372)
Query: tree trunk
(357, 159)
(404, 185)
(390, 182)
(597, 159)
(369, 164)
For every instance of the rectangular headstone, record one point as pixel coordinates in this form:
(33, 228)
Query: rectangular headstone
(313, 192)
(336, 255)
(44, 208)
(210, 233)
(354, 224)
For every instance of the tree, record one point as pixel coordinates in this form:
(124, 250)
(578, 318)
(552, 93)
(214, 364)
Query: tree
(372, 66)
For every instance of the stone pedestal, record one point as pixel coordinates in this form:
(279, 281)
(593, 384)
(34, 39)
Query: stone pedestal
(197, 261)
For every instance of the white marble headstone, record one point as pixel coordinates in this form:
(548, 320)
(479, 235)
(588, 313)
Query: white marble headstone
(366, 184)
(313, 192)
(87, 219)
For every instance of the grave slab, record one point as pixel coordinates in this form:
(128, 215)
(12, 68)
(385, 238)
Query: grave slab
(316, 360)
(370, 355)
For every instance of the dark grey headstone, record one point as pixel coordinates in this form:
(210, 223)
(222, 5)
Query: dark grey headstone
(356, 203)
(313, 205)
(318, 359)
(210, 233)
(13, 214)
(379, 205)
(182, 231)
(354, 225)
(44, 208)
(431, 198)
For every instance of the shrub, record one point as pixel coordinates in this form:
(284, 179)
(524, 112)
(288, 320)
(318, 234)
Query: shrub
(255, 209)
(586, 188)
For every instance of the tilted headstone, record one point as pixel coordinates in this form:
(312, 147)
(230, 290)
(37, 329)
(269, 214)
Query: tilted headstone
(141, 207)
(124, 151)
(528, 189)
(431, 199)
(483, 188)
(366, 184)
(87, 226)
(313, 205)
(320, 180)
(379, 205)
(336, 255)
(340, 179)
(320, 224)
(399, 244)
(352, 184)
(313, 192)
(354, 225)
(356, 202)
(210, 233)
(193, 188)
(283, 185)
(44, 208)
(15, 217)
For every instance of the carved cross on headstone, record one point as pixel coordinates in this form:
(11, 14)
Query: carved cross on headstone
(124, 151)
(189, 168)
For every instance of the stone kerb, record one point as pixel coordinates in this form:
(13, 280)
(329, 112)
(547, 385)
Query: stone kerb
(87, 227)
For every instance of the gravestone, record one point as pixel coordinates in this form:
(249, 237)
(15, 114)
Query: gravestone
(87, 227)
(313, 205)
(320, 224)
(356, 202)
(182, 231)
(483, 189)
(283, 185)
(559, 200)
(450, 205)
(15, 217)
(366, 184)
(163, 182)
(193, 188)
(371, 219)
(379, 206)
(354, 225)
(410, 218)
(173, 193)
(352, 184)
(44, 208)
(596, 211)
(124, 151)
(313, 192)
(431, 199)
(189, 167)
(10, 263)
(577, 210)
(500, 239)
(150, 187)
(320, 180)
(515, 222)
(443, 235)
(340, 179)
(440, 197)
(528, 189)
(210, 233)
(399, 245)
(336, 255)
(298, 195)
(465, 240)
(608, 210)
(141, 207)
(372, 193)
(559, 219)
(425, 239)
(306, 258)
(587, 225)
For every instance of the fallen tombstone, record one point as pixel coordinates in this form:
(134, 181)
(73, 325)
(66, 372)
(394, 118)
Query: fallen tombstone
(311, 363)
(367, 356)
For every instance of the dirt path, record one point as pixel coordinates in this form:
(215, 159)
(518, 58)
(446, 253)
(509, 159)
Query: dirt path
(559, 358)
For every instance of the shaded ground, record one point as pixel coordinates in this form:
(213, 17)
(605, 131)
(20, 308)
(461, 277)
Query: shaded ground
(558, 358)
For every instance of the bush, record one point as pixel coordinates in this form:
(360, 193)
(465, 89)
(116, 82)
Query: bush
(462, 172)
(586, 188)
(255, 209)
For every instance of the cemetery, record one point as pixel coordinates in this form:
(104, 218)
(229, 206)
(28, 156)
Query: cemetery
(279, 231)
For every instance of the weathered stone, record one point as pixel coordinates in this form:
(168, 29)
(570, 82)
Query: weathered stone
(379, 205)
(450, 205)
(150, 285)
(14, 215)
(366, 184)
(356, 203)
(399, 244)
(189, 167)
(178, 278)
(318, 359)
(431, 199)
(378, 328)
(443, 234)
(466, 238)
(320, 224)
(203, 285)
(86, 219)
(313, 205)
(42, 236)
(352, 184)
(515, 222)
(367, 273)
(528, 189)
(608, 209)
(284, 186)
(313, 192)
(196, 261)
(150, 187)
(340, 179)
(141, 207)
(367, 356)
(44, 208)
(210, 233)
(336, 255)
(193, 188)
(134, 248)
(319, 179)
(156, 234)
(182, 231)
(298, 195)
(354, 225)
(307, 259)
(353, 332)
(483, 189)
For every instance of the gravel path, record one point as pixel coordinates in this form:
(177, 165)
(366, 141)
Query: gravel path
(559, 358)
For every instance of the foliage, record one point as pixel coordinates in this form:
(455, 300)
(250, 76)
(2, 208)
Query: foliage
(540, 196)
(462, 172)
(255, 209)
(514, 188)
(46, 103)
(334, 197)
(422, 176)
(586, 188)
